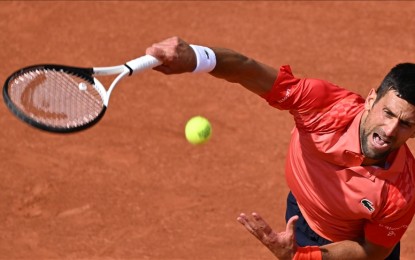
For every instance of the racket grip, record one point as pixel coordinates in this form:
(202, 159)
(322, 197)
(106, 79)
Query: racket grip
(143, 63)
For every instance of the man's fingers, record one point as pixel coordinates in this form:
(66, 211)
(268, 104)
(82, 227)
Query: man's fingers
(282, 244)
(156, 52)
(245, 222)
(250, 225)
(290, 230)
(262, 224)
(175, 54)
(256, 225)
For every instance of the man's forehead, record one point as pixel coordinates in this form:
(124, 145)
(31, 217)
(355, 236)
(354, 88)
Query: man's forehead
(398, 106)
(393, 95)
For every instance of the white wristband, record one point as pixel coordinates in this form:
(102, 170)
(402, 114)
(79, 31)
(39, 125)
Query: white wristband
(206, 58)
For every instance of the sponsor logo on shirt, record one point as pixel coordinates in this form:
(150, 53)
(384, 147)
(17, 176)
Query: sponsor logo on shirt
(391, 233)
(392, 229)
(368, 205)
(287, 95)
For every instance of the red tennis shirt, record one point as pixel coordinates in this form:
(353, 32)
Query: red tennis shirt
(339, 198)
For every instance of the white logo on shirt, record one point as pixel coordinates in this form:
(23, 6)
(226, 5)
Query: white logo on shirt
(391, 233)
(287, 95)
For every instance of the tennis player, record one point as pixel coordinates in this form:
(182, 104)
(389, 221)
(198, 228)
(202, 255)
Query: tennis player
(348, 167)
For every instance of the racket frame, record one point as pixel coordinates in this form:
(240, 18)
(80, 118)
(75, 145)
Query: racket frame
(131, 67)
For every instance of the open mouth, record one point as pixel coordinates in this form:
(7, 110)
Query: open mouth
(380, 142)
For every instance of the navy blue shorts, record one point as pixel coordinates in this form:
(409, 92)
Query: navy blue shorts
(305, 236)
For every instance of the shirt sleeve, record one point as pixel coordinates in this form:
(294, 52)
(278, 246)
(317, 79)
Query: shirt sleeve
(313, 102)
(388, 227)
(387, 234)
(282, 88)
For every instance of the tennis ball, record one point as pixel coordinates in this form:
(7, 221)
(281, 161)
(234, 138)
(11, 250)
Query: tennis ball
(198, 130)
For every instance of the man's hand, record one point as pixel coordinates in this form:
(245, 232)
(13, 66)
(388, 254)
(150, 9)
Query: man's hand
(282, 244)
(177, 56)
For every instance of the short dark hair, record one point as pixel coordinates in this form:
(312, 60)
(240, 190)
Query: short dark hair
(401, 79)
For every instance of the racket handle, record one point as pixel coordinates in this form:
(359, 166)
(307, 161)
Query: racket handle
(143, 63)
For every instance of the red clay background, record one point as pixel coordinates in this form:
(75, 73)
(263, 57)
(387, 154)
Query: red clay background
(132, 187)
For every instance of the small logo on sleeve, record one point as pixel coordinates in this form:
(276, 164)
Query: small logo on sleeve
(391, 234)
(368, 204)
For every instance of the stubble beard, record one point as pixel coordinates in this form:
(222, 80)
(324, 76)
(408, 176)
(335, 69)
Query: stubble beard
(367, 152)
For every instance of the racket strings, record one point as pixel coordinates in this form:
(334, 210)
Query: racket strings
(88, 101)
(54, 98)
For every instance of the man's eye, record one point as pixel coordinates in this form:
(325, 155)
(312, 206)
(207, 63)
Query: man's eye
(406, 124)
(388, 114)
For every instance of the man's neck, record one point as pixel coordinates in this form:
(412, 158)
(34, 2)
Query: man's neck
(372, 162)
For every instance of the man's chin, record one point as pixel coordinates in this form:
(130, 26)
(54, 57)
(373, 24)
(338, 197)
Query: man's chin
(375, 155)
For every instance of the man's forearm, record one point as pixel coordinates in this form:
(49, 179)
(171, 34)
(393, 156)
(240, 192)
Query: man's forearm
(179, 57)
(237, 68)
(353, 250)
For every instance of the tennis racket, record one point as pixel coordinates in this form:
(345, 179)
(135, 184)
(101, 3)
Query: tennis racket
(65, 99)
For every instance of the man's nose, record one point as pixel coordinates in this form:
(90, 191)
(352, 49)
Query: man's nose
(391, 126)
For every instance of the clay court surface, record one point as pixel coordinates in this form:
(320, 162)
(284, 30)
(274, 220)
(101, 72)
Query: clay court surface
(132, 187)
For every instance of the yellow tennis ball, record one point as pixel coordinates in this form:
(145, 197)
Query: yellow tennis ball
(198, 130)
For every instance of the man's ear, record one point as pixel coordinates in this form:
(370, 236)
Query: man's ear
(370, 100)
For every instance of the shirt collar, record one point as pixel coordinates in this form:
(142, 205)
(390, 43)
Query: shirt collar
(352, 150)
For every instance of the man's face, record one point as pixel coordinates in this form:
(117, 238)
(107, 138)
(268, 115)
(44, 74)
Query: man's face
(385, 125)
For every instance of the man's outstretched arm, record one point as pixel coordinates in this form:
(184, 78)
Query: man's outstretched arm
(283, 245)
(179, 57)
